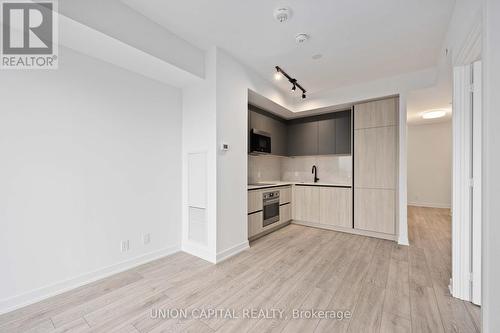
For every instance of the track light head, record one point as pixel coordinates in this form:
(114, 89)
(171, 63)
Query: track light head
(294, 87)
(303, 95)
(277, 75)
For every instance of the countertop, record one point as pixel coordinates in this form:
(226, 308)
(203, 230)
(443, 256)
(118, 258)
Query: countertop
(271, 184)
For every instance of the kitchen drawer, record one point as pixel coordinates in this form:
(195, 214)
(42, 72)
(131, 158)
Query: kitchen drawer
(255, 224)
(285, 195)
(254, 201)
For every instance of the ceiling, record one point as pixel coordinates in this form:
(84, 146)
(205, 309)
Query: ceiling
(359, 40)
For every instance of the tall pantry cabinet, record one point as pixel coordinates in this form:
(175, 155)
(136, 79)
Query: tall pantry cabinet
(376, 135)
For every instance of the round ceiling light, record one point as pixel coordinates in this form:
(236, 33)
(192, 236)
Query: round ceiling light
(433, 114)
(282, 14)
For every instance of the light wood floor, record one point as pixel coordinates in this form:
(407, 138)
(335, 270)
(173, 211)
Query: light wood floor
(388, 288)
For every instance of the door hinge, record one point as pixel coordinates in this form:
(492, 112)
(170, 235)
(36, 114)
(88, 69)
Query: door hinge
(471, 277)
(471, 182)
(471, 87)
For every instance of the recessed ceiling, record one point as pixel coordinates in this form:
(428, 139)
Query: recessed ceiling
(420, 101)
(359, 40)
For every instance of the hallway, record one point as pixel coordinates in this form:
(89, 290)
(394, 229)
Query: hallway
(430, 272)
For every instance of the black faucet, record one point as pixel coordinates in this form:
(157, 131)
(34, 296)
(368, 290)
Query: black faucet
(315, 171)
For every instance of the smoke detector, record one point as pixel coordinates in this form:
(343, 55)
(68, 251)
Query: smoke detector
(282, 14)
(301, 38)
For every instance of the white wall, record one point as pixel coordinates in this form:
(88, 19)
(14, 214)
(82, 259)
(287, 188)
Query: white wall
(199, 135)
(233, 82)
(491, 166)
(216, 111)
(117, 19)
(430, 164)
(91, 156)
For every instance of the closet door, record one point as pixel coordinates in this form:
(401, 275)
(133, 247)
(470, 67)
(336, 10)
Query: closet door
(375, 165)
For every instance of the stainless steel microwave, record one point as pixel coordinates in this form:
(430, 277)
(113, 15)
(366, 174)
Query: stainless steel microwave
(260, 142)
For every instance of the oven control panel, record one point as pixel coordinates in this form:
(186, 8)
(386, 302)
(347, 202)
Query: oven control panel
(271, 195)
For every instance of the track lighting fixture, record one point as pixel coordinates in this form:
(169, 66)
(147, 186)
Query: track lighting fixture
(277, 75)
(293, 81)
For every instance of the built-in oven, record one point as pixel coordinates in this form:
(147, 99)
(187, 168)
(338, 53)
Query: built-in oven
(260, 142)
(271, 207)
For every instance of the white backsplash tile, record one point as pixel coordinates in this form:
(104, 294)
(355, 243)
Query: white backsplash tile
(335, 169)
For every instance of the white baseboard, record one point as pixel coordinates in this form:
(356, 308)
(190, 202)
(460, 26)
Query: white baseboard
(232, 251)
(403, 240)
(199, 251)
(429, 204)
(19, 301)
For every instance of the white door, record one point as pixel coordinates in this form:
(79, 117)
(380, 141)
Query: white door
(466, 221)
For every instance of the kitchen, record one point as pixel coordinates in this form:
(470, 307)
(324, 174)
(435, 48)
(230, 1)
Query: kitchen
(336, 170)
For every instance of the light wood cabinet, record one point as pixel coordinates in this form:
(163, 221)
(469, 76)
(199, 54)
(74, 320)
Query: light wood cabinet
(375, 210)
(376, 114)
(255, 224)
(375, 157)
(335, 205)
(306, 203)
(285, 213)
(375, 165)
(254, 201)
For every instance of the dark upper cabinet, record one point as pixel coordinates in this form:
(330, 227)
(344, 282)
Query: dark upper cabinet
(302, 138)
(326, 136)
(343, 133)
(316, 135)
(271, 124)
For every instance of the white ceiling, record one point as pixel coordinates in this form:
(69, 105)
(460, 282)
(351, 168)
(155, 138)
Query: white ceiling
(360, 40)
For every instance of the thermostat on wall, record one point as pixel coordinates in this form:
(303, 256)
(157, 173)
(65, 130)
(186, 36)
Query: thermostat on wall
(224, 147)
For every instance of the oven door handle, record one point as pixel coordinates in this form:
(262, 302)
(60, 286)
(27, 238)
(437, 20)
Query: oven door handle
(271, 202)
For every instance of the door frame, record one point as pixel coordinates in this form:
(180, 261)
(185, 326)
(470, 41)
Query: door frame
(466, 213)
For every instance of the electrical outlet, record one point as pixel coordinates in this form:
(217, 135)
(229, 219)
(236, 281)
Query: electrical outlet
(124, 246)
(146, 238)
